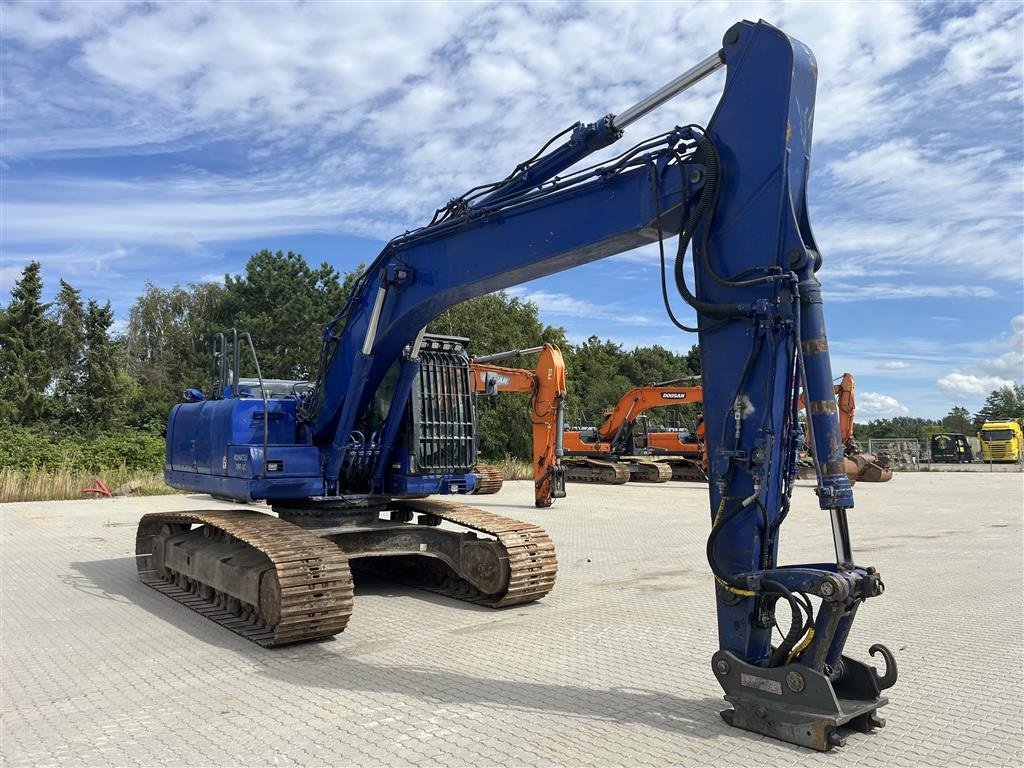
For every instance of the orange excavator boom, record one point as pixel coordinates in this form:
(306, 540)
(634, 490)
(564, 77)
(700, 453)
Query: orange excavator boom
(546, 384)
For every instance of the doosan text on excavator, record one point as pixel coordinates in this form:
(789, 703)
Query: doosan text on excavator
(348, 460)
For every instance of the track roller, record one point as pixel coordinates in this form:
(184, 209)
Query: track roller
(579, 469)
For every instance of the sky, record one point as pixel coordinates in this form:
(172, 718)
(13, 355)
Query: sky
(165, 143)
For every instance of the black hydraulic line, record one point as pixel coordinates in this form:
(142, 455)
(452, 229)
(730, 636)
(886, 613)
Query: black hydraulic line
(797, 627)
(716, 530)
(712, 162)
(465, 196)
(616, 165)
(697, 218)
(661, 252)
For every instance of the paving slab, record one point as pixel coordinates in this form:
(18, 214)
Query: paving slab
(612, 668)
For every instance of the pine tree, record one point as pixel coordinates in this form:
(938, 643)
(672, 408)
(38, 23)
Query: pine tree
(284, 303)
(68, 350)
(102, 397)
(958, 420)
(1001, 404)
(25, 360)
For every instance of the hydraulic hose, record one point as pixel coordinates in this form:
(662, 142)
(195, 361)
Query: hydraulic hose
(698, 216)
(796, 625)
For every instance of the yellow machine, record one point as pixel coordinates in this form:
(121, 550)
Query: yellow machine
(1002, 441)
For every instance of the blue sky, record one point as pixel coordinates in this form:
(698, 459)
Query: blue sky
(166, 142)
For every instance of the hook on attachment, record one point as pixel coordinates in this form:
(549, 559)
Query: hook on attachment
(888, 680)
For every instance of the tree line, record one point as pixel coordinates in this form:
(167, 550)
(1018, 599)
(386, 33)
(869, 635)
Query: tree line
(65, 369)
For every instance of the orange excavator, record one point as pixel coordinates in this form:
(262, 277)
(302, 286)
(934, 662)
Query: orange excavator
(860, 466)
(546, 385)
(652, 456)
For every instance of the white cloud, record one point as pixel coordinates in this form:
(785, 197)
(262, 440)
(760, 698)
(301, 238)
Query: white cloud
(359, 118)
(894, 365)
(838, 291)
(186, 241)
(994, 366)
(983, 45)
(43, 23)
(564, 305)
(935, 205)
(9, 275)
(1009, 364)
(875, 405)
(963, 385)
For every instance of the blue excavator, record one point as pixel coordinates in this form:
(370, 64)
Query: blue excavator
(349, 461)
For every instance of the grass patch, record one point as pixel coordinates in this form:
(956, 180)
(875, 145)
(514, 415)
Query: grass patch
(514, 469)
(43, 484)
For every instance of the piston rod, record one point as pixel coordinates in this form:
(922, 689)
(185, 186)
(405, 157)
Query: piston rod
(686, 80)
(506, 355)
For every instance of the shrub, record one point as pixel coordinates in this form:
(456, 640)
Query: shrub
(26, 449)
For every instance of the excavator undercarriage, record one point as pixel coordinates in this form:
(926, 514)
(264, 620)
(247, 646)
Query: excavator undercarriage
(281, 580)
(581, 469)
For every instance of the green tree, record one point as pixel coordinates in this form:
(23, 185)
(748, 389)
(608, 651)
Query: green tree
(900, 426)
(497, 323)
(103, 388)
(284, 303)
(25, 359)
(68, 349)
(957, 420)
(167, 346)
(1003, 403)
(693, 360)
(653, 365)
(598, 373)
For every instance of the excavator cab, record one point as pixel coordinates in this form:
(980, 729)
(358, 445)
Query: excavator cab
(640, 435)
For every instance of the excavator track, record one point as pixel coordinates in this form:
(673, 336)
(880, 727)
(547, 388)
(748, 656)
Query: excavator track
(587, 470)
(305, 591)
(647, 471)
(490, 479)
(530, 555)
(686, 470)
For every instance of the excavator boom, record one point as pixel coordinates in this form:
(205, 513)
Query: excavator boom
(547, 388)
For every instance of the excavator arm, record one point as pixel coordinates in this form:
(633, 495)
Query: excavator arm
(847, 407)
(547, 388)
